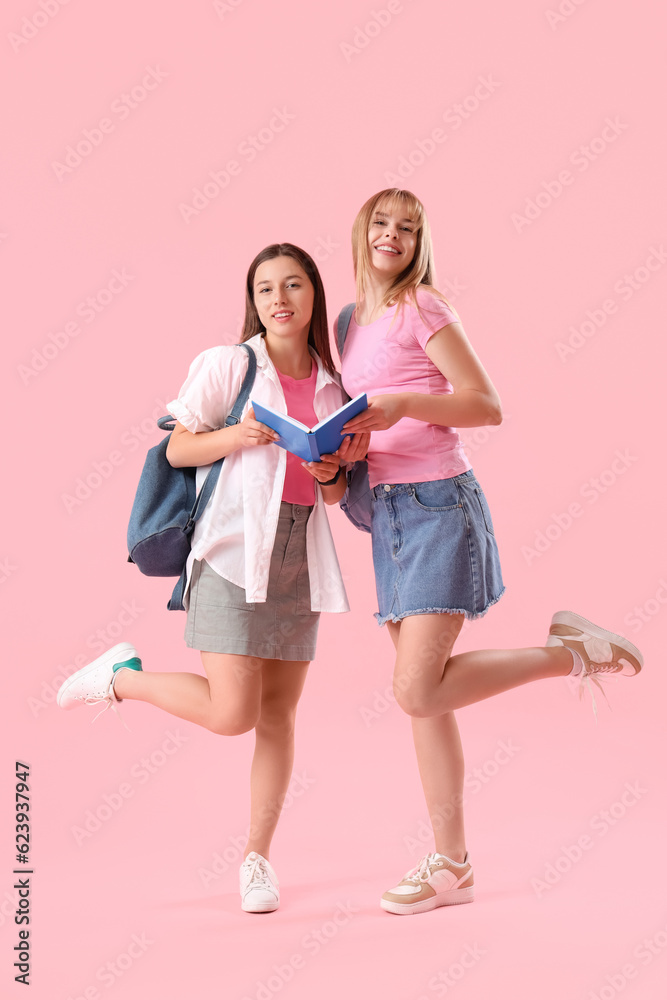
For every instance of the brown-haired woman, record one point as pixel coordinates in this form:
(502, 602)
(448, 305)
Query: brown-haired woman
(263, 564)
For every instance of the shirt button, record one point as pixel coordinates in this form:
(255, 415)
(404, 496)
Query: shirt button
(387, 489)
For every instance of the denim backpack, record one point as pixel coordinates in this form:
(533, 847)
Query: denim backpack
(166, 505)
(357, 501)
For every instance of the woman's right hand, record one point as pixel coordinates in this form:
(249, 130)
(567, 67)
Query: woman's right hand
(355, 448)
(251, 432)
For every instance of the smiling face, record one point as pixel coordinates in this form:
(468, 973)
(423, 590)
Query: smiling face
(283, 296)
(392, 239)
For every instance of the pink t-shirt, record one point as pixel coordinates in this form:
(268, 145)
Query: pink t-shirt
(378, 360)
(299, 394)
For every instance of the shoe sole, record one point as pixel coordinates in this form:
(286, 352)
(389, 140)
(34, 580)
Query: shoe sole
(572, 620)
(260, 907)
(116, 654)
(450, 898)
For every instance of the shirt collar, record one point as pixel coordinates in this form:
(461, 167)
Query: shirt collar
(264, 361)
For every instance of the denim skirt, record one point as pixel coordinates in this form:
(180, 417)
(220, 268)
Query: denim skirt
(434, 549)
(220, 620)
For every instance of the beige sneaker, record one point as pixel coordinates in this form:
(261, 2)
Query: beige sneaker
(602, 652)
(435, 881)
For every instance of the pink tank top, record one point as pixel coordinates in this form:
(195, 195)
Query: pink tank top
(299, 395)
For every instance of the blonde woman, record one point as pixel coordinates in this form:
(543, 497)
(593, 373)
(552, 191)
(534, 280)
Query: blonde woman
(434, 549)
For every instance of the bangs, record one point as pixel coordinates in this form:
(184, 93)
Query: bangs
(395, 201)
(400, 204)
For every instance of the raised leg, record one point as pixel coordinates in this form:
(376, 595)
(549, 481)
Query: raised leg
(428, 681)
(429, 684)
(226, 701)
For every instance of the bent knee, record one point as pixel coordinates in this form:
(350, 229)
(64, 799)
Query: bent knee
(413, 703)
(231, 725)
(418, 701)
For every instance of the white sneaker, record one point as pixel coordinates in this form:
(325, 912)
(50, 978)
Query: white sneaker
(258, 884)
(435, 881)
(93, 684)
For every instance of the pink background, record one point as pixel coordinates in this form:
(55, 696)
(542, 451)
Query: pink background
(360, 95)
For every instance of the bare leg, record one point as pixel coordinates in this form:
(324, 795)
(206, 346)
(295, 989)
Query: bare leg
(429, 684)
(428, 681)
(239, 693)
(282, 684)
(441, 768)
(226, 701)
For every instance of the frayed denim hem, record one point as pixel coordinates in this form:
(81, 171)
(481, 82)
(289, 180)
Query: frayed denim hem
(470, 615)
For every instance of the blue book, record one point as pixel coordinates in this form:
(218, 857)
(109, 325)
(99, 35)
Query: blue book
(311, 443)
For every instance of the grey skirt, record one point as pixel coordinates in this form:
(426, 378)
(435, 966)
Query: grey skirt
(220, 620)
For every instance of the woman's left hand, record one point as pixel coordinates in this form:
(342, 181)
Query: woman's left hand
(383, 412)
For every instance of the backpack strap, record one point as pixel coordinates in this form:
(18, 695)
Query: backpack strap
(343, 324)
(206, 492)
(246, 387)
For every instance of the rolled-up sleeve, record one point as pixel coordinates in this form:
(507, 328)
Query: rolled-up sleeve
(208, 393)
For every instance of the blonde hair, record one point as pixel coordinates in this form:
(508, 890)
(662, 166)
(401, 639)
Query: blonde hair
(419, 272)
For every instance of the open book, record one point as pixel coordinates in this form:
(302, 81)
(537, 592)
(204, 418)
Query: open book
(310, 443)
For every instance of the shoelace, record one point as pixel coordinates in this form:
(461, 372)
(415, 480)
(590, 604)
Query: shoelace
(423, 872)
(259, 876)
(590, 677)
(108, 703)
(594, 664)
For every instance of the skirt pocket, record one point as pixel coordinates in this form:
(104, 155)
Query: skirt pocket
(440, 495)
(486, 511)
(213, 591)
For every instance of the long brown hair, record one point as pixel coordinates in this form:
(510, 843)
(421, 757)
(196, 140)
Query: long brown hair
(420, 270)
(318, 333)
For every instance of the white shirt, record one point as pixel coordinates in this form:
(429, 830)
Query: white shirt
(236, 532)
